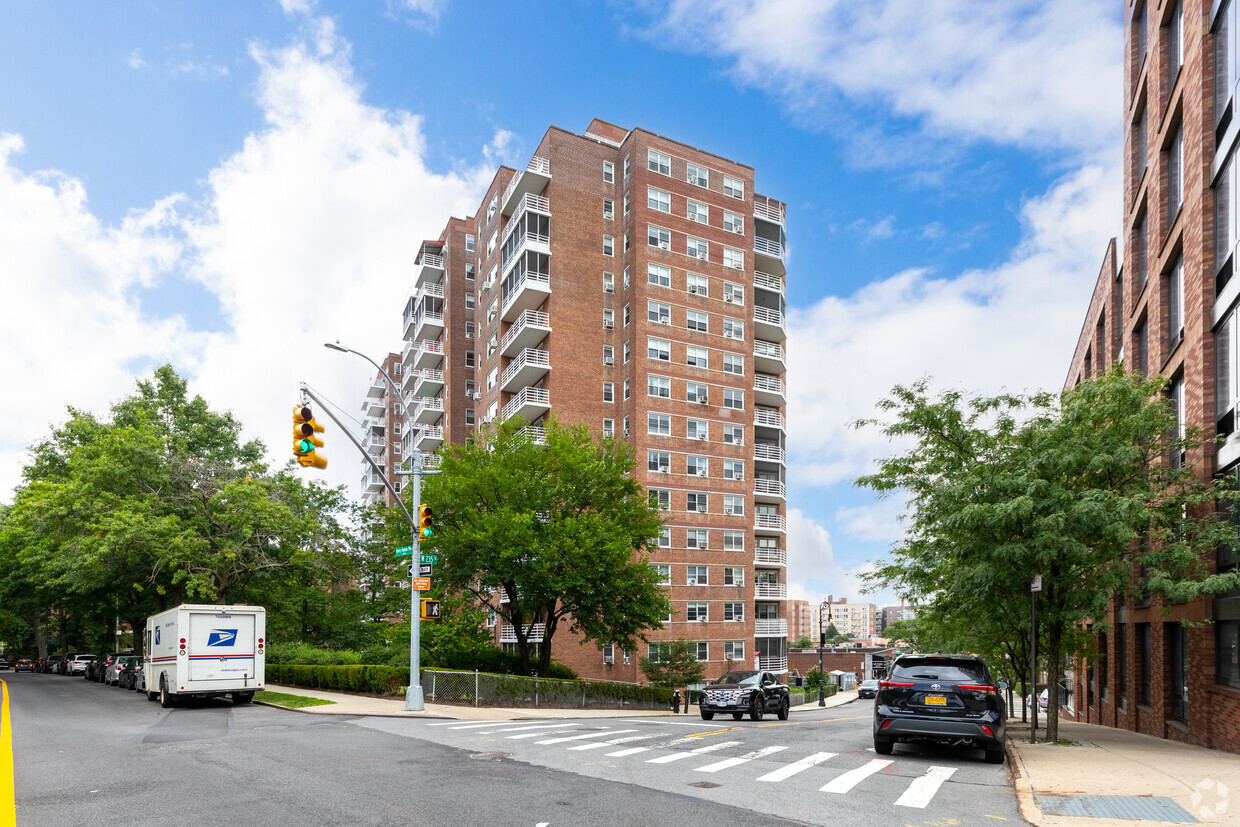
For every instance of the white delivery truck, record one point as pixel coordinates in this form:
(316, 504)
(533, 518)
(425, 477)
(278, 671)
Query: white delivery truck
(205, 651)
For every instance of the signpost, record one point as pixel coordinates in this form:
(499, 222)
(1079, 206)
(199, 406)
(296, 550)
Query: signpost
(1034, 588)
(404, 551)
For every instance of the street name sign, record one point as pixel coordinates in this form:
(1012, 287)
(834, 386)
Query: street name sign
(404, 551)
(429, 559)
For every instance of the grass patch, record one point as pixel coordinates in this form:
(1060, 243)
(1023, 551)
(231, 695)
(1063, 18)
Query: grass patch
(288, 701)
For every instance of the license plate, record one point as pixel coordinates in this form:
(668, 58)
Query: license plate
(935, 700)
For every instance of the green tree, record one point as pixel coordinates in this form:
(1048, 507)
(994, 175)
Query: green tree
(677, 665)
(1084, 489)
(803, 642)
(559, 525)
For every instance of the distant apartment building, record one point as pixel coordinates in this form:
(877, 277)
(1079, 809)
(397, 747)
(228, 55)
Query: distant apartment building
(890, 614)
(1168, 305)
(853, 619)
(802, 620)
(383, 418)
(633, 283)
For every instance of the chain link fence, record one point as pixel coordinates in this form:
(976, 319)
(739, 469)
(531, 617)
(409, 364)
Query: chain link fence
(484, 689)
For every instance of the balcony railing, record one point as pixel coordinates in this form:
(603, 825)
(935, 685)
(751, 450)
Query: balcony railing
(770, 628)
(536, 433)
(430, 346)
(768, 349)
(433, 433)
(773, 384)
(524, 323)
(768, 247)
(529, 279)
(768, 212)
(429, 375)
(430, 260)
(774, 522)
(534, 633)
(768, 417)
(433, 289)
(771, 663)
(529, 201)
(765, 451)
(770, 590)
(770, 556)
(537, 165)
(768, 282)
(765, 314)
(533, 397)
(527, 358)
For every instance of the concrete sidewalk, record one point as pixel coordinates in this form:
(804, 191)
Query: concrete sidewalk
(347, 704)
(1113, 772)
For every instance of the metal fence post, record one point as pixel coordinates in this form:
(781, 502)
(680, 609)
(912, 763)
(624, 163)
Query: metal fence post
(475, 687)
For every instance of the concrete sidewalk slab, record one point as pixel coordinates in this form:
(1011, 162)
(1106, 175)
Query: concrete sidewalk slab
(1116, 763)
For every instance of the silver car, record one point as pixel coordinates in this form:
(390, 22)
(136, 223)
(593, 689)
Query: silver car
(112, 674)
(77, 666)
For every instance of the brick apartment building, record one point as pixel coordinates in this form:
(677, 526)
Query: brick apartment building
(382, 420)
(802, 620)
(857, 620)
(636, 284)
(890, 614)
(1169, 307)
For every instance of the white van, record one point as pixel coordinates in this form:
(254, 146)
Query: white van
(205, 651)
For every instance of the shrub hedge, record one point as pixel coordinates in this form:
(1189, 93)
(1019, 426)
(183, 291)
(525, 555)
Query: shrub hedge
(383, 680)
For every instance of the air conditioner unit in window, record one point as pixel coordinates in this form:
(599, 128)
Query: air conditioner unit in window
(701, 472)
(609, 360)
(727, 511)
(728, 299)
(609, 325)
(692, 581)
(701, 437)
(693, 289)
(609, 658)
(701, 401)
(626, 431)
(487, 420)
(701, 254)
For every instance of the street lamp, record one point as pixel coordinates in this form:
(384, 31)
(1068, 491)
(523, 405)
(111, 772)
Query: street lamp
(824, 609)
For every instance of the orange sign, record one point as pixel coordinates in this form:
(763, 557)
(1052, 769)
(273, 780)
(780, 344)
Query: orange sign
(421, 584)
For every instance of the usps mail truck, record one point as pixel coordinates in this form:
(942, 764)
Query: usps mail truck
(205, 651)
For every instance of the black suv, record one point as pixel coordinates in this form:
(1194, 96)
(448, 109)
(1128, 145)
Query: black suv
(950, 699)
(745, 691)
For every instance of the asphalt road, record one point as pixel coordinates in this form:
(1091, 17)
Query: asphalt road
(85, 753)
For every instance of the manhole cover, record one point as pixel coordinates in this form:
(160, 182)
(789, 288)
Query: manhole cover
(705, 785)
(487, 756)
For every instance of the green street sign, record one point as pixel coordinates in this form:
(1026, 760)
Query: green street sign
(429, 559)
(404, 551)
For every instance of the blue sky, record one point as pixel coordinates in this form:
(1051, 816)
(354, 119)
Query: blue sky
(174, 179)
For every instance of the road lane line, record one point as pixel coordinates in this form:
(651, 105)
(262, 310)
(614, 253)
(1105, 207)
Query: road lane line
(798, 766)
(8, 795)
(614, 741)
(924, 787)
(676, 756)
(602, 734)
(852, 778)
(740, 759)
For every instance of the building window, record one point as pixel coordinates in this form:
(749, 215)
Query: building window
(696, 429)
(626, 205)
(469, 243)
(1224, 226)
(658, 237)
(696, 321)
(1175, 303)
(733, 329)
(697, 285)
(659, 386)
(492, 309)
(609, 245)
(1121, 663)
(609, 320)
(733, 611)
(398, 408)
(659, 162)
(657, 199)
(469, 272)
(469, 416)
(696, 357)
(626, 353)
(626, 315)
(664, 572)
(491, 243)
(658, 424)
(609, 392)
(396, 448)
(1175, 638)
(469, 359)
(626, 242)
(733, 223)
(492, 343)
(609, 283)
(697, 175)
(1176, 395)
(733, 504)
(660, 349)
(698, 212)
(626, 388)
(609, 209)
(469, 330)
(658, 274)
(733, 469)
(1141, 335)
(696, 501)
(733, 293)
(626, 278)
(609, 427)
(697, 575)
(696, 538)
(492, 620)
(733, 187)
(734, 650)
(664, 540)
(1145, 644)
(626, 166)
(733, 575)
(658, 312)
(469, 300)
(396, 428)
(1175, 44)
(733, 258)
(492, 377)
(609, 355)
(734, 364)
(696, 612)
(626, 426)
(697, 248)
(1175, 175)
(609, 172)
(733, 540)
(696, 466)
(661, 498)
(734, 434)
(469, 388)
(734, 399)
(659, 462)
(696, 392)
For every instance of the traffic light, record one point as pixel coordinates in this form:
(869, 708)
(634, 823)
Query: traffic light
(430, 609)
(305, 439)
(425, 529)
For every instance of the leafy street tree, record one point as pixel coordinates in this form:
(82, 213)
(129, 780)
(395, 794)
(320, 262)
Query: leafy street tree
(834, 635)
(803, 642)
(677, 665)
(560, 526)
(1085, 489)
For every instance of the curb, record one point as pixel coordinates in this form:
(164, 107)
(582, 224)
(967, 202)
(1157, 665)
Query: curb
(308, 711)
(1025, 802)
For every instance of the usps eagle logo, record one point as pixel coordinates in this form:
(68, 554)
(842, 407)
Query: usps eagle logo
(222, 637)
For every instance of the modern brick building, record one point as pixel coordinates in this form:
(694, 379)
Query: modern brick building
(382, 420)
(890, 614)
(1169, 307)
(802, 620)
(636, 284)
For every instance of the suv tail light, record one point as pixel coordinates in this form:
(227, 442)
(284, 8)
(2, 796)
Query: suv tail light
(989, 690)
(894, 684)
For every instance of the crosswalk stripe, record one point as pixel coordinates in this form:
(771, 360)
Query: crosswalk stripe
(522, 728)
(792, 769)
(539, 734)
(630, 751)
(676, 756)
(601, 734)
(459, 725)
(852, 778)
(923, 788)
(613, 742)
(740, 759)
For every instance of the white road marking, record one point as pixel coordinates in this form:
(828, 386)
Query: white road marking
(614, 741)
(698, 724)
(923, 788)
(459, 725)
(539, 734)
(629, 751)
(676, 756)
(740, 759)
(852, 778)
(600, 734)
(523, 728)
(798, 766)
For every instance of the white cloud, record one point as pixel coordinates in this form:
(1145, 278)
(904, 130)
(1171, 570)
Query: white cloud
(135, 60)
(874, 230)
(816, 572)
(877, 522)
(425, 13)
(292, 7)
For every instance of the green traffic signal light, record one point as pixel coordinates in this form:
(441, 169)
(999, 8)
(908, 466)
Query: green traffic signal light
(425, 529)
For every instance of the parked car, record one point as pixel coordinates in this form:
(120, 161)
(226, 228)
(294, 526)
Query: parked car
(62, 663)
(112, 675)
(950, 699)
(23, 666)
(744, 691)
(867, 689)
(4, 664)
(92, 663)
(131, 674)
(51, 664)
(76, 665)
(107, 661)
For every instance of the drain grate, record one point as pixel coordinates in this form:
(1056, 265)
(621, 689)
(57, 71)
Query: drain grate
(487, 756)
(706, 785)
(1137, 807)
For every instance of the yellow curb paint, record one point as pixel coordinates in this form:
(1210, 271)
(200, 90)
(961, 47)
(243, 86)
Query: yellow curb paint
(988, 815)
(8, 800)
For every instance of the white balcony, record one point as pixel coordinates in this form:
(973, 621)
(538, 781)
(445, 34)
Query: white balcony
(429, 438)
(768, 256)
(429, 409)
(527, 293)
(771, 524)
(430, 461)
(530, 328)
(768, 418)
(432, 289)
(428, 355)
(768, 210)
(536, 434)
(769, 491)
(771, 663)
(770, 591)
(770, 558)
(503, 595)
(768, 357)
(769, 390)
(372, 483)
(769, 324)
(766, 452)
(407, 380)
(428, 270)
(375, 444)
(534, 179)
(534, 633)
(770, 628)
(530, 404)
(378, 390)
(429, 382)
(766, 281)
(528, 203)
(529, 366)
(428, 324)
(407, 354)
(374, 407)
